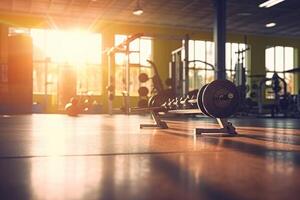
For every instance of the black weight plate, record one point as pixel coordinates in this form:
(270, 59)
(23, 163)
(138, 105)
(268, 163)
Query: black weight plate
(220, 99)
(143, 77)
(199, 100)
(143, 91)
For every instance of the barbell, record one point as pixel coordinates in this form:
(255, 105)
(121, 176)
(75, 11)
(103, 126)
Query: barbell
(218, 99)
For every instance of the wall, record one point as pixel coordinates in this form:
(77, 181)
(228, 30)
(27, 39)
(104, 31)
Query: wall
(166, 39)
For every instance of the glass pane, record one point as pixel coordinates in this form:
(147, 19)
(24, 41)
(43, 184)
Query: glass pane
(75, 49)
(269, 74)
(243, 55)
(279, 59)
(56, 47)
(120, 80)
(92, 50)
(200, 53)
(134, 58)
(234, 55)
(191, 79)
(120, 59)
(192, 65)
(38, 78)
(119, 39)
(52, 76)
(269, 59)
(210, 54)
(38, 40)
(242, 46)
(145, 51)
(210, 76)
(289, 58)
(289, 78)
(191, 50)
(89, 80)
(134, 81)
(228, 56)
(246, 54)
(230, 75)
(134, 45)
(200, 79)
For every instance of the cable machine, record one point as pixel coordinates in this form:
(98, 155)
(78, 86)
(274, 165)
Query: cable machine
(123, 48)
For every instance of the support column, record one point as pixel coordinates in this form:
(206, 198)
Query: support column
(220, 38)
(186, 65)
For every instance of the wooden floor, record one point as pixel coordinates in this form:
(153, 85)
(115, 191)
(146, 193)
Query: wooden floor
(109, 157)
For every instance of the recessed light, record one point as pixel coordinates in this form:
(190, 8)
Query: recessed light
(270, 25)
(270, 3)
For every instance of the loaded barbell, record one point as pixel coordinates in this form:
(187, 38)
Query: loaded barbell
(218, 99)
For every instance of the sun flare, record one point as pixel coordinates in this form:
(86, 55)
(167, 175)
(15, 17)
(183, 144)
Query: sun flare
(74, 47)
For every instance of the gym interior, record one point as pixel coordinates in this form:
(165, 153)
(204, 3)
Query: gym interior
(160, 99)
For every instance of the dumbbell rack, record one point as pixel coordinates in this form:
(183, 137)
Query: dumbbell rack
(225, 126)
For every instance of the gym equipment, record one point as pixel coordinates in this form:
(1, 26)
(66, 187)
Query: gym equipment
(294, 70)
(276, 83)
(77, 105)
(124, 48)
(179, 68)
(143, 97)
(240, 74)
(143, 91)
(157, 83)
(219, 100)
(143, 77)
(161, 94)
(72, 108)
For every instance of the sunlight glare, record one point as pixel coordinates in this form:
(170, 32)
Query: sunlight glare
(74, 47)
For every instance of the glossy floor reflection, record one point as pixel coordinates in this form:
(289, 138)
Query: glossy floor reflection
(109, 157)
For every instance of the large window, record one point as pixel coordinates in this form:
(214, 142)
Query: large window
(56, 53)
(139, 51)
(235, 56)
(280, 59)
(200, 73)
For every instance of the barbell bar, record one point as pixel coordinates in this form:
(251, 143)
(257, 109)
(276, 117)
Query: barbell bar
(218, 99)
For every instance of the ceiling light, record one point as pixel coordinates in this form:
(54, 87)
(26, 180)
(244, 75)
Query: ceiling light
(137, 10)
(269, 25)
(270, 3)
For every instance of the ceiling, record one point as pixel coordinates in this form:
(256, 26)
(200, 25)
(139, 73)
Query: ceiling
(243, 16)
